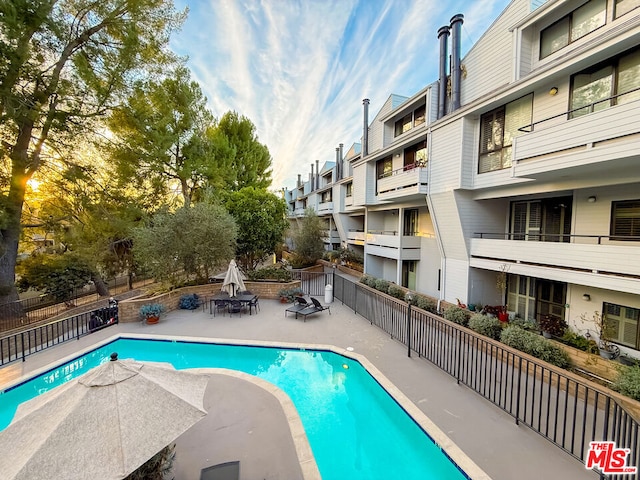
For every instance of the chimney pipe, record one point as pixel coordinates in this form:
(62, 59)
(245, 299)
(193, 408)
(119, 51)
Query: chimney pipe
(312, 178)
(365, 129)
(341, 164)
(317, 174)
(337, 170)
(443, 36)
(456, 73)
(299, 181)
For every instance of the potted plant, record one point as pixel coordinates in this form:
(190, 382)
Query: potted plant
(288, 295)
(605, 331)
(552, 326)
(151, 312)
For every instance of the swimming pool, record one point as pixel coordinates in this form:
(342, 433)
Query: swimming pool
(355, 428)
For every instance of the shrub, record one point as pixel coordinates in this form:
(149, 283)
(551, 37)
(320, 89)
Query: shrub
(152, 310)
(290, 294)
(396, 291)
(535, 345)
(628, 382)
(270, 273)
(189, 302)
(425, 303)
(368, 280)
(528, 325)
(487, 326)
(578, 341)
(382, 285)
(457, 315)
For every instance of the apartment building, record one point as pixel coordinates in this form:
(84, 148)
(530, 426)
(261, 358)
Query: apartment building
(522, 158)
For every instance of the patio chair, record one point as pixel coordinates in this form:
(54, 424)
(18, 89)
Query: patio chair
(219, 306)
(298, 304)
(223, 471)
(254, 304)
(235, 306)
(315, 307)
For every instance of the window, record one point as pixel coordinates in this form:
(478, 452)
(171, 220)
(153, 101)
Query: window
(625, 220)
(325, 196)
(615, 82)
(497, 131)
(415, 155)
(410, 224)
(403, 125)
(625, 6)
(577, 24)
(413, 119)
(623, 323)
(547, 220)
(349, 189)
(384, 167)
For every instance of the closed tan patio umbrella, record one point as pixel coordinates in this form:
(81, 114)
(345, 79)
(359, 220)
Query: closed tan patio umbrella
(102, 425)
(233, 283)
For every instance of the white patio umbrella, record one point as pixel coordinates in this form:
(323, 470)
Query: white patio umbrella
(233, 283)
(104, 424)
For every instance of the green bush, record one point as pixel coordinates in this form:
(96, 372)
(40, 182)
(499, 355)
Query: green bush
(396, 291)
(488, 326)
(535, 345)
(457, 315)
(628, 382)
(270, 273)
(528, 325)
(368, 280)
(382, 285)
(426, 303)
(575, 340)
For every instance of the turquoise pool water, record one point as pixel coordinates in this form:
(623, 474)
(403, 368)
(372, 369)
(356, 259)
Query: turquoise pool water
(356, 430)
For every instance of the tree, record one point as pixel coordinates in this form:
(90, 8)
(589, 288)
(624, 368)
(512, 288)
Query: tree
(56, 274)
(164, 137)
(307, 240)
(193, 241)
(251, 162)
(260, 216)
(63, 63)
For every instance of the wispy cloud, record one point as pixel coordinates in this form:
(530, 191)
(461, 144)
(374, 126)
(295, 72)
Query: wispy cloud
(299, 69)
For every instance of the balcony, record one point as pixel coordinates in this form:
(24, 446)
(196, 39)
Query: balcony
(403, 183)
(330, 236)
(348, 201)
(299, 212)
(386, 243)
(588, 260)
(605, 140)
(325, 208)
(356, 237)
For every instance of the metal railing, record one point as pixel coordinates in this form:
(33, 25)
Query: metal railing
(584, 109)
(552, 402)
(313, 283)
(20, 345)
(401, 170)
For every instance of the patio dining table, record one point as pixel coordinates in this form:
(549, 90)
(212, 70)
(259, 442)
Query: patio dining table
(244, 299)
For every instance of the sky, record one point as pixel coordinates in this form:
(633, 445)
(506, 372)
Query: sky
(299, 69)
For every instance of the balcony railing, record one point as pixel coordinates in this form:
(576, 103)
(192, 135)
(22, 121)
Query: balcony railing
(557, 237)
(408, 180)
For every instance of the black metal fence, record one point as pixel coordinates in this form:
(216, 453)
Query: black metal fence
(20, 345)
(558, 405)
(313, 283)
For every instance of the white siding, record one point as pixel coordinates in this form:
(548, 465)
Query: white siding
(486, 216)
(444, 161)
(447, 221)
(428, 267)
(456, 280)
(470, 147)
(489, 64)
(360, 184)
(376, 130)
(595, 218)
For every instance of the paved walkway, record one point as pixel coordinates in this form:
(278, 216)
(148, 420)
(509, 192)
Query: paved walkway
(487, 435)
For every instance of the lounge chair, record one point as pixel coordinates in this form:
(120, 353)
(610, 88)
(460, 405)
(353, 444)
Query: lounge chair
(298, 304)
(311, 309)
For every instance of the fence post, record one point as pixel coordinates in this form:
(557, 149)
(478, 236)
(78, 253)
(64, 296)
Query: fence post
(77, 320)
(22, 344)
(458, 353)
(355, 300)
(518, 390)
(408, 330)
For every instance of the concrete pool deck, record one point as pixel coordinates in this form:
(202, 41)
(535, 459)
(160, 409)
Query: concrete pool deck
(487, 435)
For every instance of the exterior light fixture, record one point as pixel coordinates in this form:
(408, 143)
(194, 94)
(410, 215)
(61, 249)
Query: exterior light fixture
(586, 297)
(553, 90)
(591, 199)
